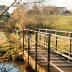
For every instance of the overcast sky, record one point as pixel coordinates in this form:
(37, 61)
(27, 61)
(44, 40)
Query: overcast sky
(64, 3)
(61, 3)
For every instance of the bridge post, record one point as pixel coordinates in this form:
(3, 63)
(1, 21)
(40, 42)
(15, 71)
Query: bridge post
(23, 41)
(36, 40)
(48, 60)
(39, 36)
(28, 44)
(46, 37)
(56, 41)
(70, 35)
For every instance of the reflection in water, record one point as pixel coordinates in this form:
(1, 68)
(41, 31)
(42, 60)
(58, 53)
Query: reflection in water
(9, 67)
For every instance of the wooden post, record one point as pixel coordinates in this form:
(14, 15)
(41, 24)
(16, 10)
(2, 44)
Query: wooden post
(70, 34)
(28, 44)
(56, 41)
(46, 31)
(36, 40)
(23, 41)
(39, 35)
(46, 37)
(48, 60)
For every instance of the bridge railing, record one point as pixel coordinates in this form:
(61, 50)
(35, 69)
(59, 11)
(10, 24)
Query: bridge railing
(59, 44)
(55, 30)
(32, 40)
(60, 40)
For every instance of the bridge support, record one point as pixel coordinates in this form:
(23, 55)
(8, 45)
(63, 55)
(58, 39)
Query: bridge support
(70, 35)
(36, 40)
(48, 59)
(28, 44)
(23, 41)
(56, 41)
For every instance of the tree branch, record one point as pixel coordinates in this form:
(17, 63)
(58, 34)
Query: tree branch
(8, 8)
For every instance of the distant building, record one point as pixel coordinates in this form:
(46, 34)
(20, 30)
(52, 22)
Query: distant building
(2, 9)
(71, 12)
(53, 10)
(67, 12)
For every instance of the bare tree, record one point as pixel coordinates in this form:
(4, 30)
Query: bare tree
(20, 16)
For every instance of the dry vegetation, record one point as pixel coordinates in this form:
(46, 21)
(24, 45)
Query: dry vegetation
(35, 18)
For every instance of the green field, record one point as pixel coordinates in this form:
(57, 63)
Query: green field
(58, 22)
(63, 23)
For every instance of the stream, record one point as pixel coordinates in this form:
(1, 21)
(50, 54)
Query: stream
(10, 67)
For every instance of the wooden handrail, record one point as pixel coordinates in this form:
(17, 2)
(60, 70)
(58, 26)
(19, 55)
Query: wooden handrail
(56, 30)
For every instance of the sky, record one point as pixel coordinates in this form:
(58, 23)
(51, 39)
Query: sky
(60, 3)
(64, 3)
(7, 3)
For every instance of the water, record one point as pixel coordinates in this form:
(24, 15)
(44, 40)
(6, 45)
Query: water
(9, 67)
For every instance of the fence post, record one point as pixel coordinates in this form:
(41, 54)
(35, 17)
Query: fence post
(28, 44)
(36, 40)
(23, 41)
(46, 37)
(48, 60)
(56, 41)
(39, 35)
(46, 31)
(70, 34)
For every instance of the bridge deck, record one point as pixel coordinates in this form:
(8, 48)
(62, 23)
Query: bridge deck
(55, 59)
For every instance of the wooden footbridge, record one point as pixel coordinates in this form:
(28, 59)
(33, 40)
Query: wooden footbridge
(47, 51)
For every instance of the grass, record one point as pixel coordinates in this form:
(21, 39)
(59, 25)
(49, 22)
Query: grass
(11, 45)
(62, 44)
(64, 23)
(58, 22)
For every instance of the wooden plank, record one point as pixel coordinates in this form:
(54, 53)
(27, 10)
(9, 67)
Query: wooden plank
(67, 69)
(63, 65)
(68, 57)
(57, 58)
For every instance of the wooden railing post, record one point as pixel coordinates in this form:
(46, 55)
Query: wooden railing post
(39, 35)
(70, 35)
(36, 41)
(23, 41)
(46, 31)
(46, 37)
(56, 41)
(48, 60)
(28, 44)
